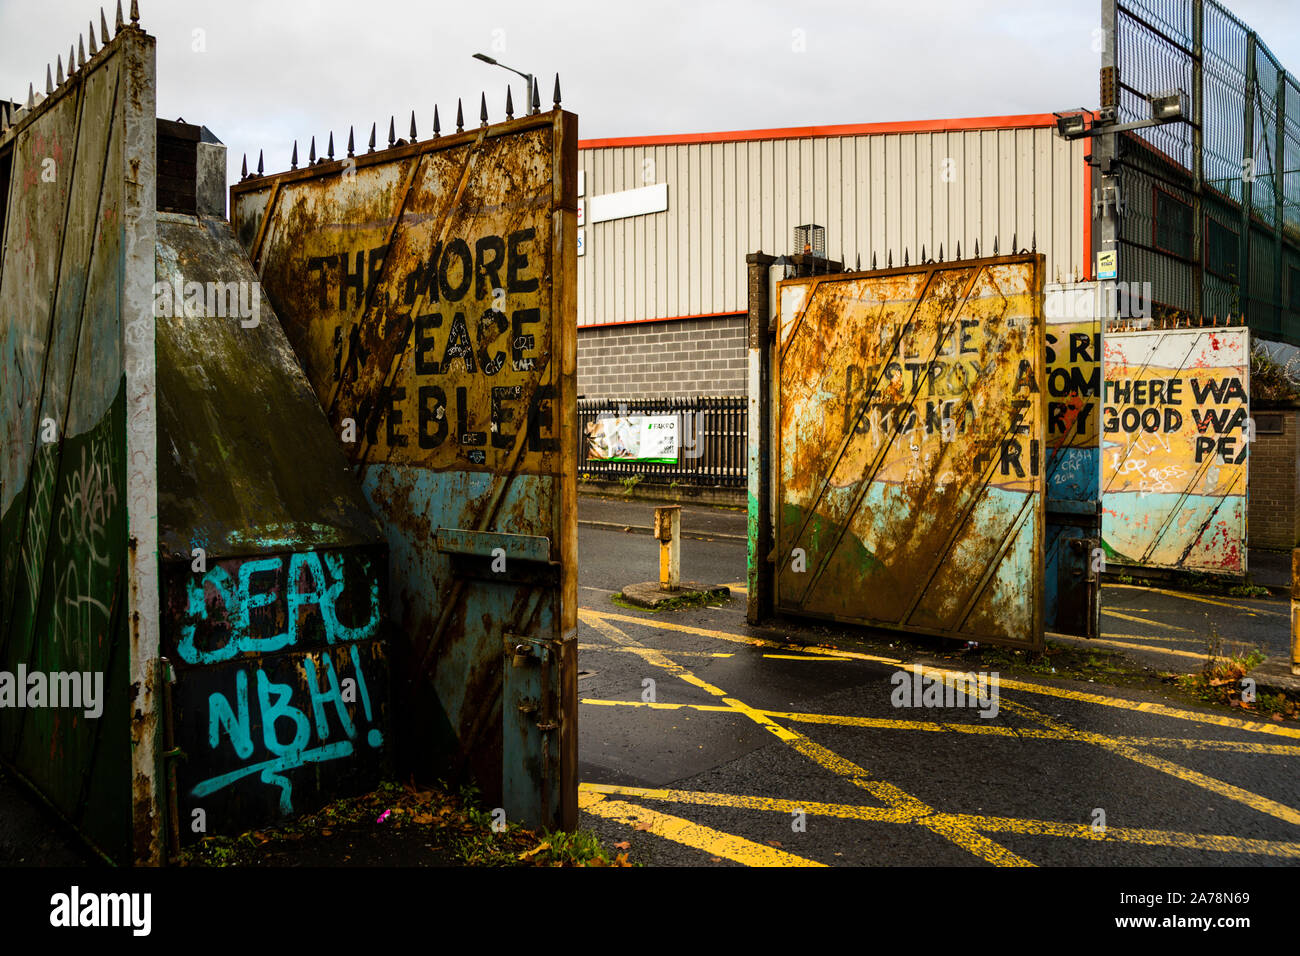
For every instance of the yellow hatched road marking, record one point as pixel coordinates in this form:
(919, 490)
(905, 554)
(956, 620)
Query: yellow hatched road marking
(963, 837)
(1083, 641)
(1127, 645)
(981, 729)
(706, 839)
(591, 616)
(966, 821)
(623, 650)
(959, 829)
(800, 657)
(1046, 690)
(1203, 600)
(1143, 620)
(1194, 777)
(656, 705)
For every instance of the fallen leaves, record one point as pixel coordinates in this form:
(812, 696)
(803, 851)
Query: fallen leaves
(540, 848)
(624, 845)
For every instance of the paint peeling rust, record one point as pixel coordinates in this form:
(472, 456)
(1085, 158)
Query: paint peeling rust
(428, 302)
(911, 452)
(1175, 441)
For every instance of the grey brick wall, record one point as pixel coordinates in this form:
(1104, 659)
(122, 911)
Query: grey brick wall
(674, 359)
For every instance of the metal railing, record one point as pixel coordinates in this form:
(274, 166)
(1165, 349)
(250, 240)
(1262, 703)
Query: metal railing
(712, 434)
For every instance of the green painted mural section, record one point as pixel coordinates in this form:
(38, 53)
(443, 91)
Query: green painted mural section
(64, 563)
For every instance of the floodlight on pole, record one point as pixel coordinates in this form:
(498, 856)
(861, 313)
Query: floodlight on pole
(1168, 106)
(527, 76)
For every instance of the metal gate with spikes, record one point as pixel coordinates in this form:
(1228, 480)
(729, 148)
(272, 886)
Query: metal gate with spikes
(908, 416)
(428, 291)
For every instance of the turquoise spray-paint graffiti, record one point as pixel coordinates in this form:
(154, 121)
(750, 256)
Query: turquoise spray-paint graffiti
(274, 701)
(281, 666)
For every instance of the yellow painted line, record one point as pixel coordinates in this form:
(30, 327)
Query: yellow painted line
(1218, 843)
(1203, 600)
(1143, 620)
(706, 839)
(1177, 771)
(596, 702)
(741, 586)
(962, 821)
(1036, 733)
(727, 635)
(887, 793)
(1146, 707)
(1047, 690)
(1125, 645)
(1228, 746)
(774, 804)
(1084, 641)
(1120, 703)
(612, 648)
(591, 615)
(815, 752)
(801, 657)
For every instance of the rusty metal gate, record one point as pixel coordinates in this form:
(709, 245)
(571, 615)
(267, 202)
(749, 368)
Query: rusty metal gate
(909, 421)
(1175, 434)
(78, 592)
(428, 291)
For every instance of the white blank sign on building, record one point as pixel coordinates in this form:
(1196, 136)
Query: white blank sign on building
(629, 202)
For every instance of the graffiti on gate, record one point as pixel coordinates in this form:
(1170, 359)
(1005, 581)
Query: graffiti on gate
(279, 661)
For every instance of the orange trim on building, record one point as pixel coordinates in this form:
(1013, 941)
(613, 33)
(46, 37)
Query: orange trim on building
(1087, 214)
(1025, 121)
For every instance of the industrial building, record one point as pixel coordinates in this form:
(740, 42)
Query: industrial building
(668, 220)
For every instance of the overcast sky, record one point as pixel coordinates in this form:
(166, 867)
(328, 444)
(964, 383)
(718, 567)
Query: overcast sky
(261, 73)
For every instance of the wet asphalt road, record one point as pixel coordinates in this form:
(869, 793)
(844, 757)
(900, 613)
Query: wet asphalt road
(741, 738)
(746, 734)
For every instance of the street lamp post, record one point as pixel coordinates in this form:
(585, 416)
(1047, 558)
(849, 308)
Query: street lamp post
(528, 106)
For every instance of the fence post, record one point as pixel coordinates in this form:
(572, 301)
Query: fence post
(1295, 612)
(759, 600)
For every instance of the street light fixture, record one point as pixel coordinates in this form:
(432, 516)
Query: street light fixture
(528, 107)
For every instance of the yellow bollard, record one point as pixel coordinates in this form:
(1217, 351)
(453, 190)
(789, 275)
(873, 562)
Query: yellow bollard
(668, 529)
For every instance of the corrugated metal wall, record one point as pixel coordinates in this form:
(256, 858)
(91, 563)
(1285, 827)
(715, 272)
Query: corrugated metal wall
(873, 193)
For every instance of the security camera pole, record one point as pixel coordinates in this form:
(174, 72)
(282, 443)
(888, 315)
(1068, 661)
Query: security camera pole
(1167, 106)
(1107, 205)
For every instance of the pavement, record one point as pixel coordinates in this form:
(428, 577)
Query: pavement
(1270, 569)
(704, 741)
(630, 515)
